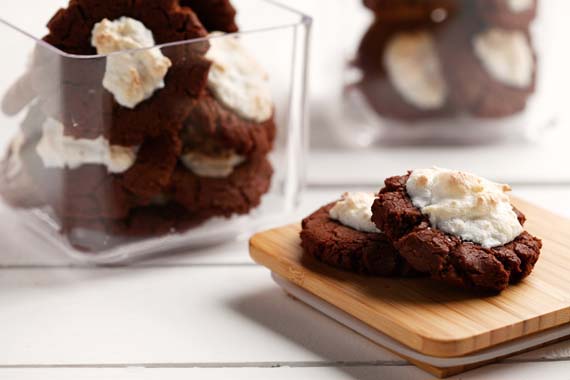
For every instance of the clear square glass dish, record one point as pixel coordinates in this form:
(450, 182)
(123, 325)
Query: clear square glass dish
(445, 72)
(120, 142)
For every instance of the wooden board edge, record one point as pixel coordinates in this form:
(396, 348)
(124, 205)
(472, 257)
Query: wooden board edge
(428, 345)
(444, 372)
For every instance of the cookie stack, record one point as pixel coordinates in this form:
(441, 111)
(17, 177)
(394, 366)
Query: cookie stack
(449, 225)
(148, 141)
(439, 58)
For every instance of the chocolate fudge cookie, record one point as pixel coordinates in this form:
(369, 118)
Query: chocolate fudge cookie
(229, 119)
(491, 71)
(215, 15)
(91, 191)
(411, 10)
(88, 200)
(84, 192)
(344, 247)
(210, 127)
(98, 97)
(402, 74)
(89, 179)
(149, 176)
(141, 222)
(487, 250)
(70, 28)
(236, 193)
(71, 91)
(509, 14)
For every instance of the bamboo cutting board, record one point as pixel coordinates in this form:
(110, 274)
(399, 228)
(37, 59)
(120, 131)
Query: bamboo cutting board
(430, 317)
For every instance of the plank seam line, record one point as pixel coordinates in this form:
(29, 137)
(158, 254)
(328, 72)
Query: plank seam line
(278, 364)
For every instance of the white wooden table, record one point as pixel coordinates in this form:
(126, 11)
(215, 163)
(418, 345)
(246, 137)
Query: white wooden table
(209, 314)
(214, 314)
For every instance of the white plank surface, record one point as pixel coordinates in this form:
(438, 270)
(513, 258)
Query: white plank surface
(550, 370)
(182, 317)
(187, 317)
(164, 315)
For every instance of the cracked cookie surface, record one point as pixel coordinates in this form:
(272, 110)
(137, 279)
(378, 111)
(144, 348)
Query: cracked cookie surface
(447, 257)
(210, 127)
(343, 247)
(216, 15)
(75, 95)
(90, 191)
(236, 194)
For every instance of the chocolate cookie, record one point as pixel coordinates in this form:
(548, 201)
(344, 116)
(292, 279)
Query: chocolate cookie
(447, 257)
(236, 194)
(90, 190)
(149, 176)
(397, 11)
(87, 191)
(141, 222)
(96, 216)
(378, 83)
(211, 127)
(215, 15)
(164, 112)
(510, 14)
(71, 89)
(70, 28)
(478, 84)
(96, 235)
(343, 247)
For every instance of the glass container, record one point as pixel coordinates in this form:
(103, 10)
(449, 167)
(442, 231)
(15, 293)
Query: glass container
(211, 145)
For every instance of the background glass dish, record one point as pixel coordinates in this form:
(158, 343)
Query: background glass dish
(355, 123)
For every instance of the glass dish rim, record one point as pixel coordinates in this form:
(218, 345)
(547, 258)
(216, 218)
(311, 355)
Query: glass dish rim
(304, 19)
